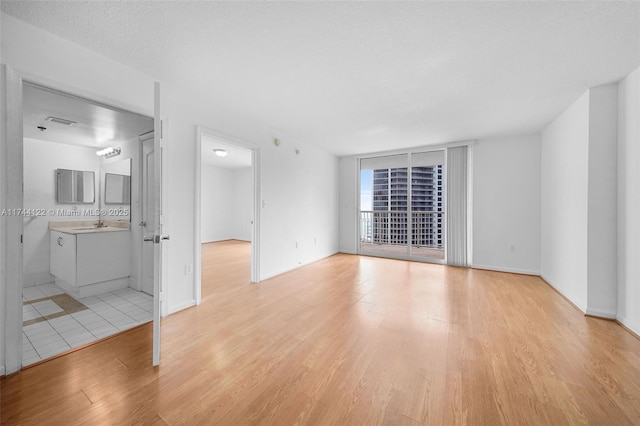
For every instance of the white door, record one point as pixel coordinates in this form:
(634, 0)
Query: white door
(148, 222)
(151, 174)
(157, 237)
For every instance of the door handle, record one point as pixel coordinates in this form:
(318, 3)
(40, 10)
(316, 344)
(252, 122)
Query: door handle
(156, 238)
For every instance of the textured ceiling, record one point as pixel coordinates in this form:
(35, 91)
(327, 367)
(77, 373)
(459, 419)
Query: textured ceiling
(355, 77)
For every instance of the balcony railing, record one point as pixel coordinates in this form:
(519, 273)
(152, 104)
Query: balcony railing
(391, 228)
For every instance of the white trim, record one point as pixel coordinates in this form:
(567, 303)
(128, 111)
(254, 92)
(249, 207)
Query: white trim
(197, 205)
(601, 314)
(356, 217)
(139, 243)
(255, 228)
(625, 322)
(470, 204)
(182, 306)
(12, 177)
(158, 294)
(509, 270)
(2, 370)
(555, 287)
(348, 252)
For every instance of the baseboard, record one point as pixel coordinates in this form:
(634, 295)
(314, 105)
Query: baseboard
(509, 270)
(2, 370)
(226, 240)
(348, 252)
(300, 265)
(182, 307)
(554, 288)
(600, 314)
(31, 280)
(633, 333)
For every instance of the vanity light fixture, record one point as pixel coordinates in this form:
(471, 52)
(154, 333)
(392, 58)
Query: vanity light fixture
(220, 152)
(109, 152)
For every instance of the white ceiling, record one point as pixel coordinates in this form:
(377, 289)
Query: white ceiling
(355, 77)
(96, 126)
(236, 158)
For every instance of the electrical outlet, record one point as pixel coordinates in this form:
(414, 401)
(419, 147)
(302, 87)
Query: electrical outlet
(513, 247)
(188, 269)
(315, 240)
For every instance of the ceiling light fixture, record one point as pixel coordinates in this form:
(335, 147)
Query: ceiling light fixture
(220, 152)
(109, 152)
(60, 121)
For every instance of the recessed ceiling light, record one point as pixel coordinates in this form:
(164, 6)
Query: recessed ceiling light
(220, 152)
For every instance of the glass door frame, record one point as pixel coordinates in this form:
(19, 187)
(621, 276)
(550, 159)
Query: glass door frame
(409, 211)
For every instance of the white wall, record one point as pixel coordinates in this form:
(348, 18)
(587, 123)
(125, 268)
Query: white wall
(300, 192)
(629, 201)
(41, 159)
(217, 204)
(131, 152)
(506, 204)
(243, 203)
(564, 197)
(226, 203)
(602, 203)
(579, 202)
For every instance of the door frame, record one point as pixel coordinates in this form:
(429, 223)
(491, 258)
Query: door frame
(12, 225)
(11, 168)
(255, 228)
(138, 236)
(408, 153)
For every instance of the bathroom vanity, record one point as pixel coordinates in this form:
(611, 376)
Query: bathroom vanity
(88, 260)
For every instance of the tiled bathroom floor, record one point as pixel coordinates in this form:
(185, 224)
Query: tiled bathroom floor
(54, 322)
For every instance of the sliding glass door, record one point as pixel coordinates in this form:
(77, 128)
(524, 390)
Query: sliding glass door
(402, 206)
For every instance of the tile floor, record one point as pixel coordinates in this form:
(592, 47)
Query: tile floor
(50, 328)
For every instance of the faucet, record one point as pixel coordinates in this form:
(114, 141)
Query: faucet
(99, 223)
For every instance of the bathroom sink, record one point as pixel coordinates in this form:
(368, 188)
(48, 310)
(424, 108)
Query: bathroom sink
(85, 229)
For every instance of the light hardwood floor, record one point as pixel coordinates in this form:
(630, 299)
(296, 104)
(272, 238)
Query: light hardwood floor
(348, 340)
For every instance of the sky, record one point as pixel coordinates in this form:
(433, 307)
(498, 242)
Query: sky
(366, 190)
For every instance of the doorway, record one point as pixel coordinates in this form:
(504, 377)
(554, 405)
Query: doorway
(402, 199)
(227, 198)
(87, 203)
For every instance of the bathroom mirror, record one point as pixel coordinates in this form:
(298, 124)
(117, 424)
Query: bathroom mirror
(75, 187)
(117, 189)
(115, 185)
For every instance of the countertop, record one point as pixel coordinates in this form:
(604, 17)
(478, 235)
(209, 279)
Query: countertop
(88, 227)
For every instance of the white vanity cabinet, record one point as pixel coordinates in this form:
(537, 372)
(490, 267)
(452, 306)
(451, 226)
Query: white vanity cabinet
(91, 263)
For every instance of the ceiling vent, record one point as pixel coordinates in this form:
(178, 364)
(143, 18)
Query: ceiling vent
(60, 121)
